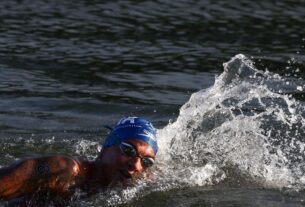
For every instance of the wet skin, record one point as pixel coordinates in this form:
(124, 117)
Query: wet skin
(114, 166)
(60, 175)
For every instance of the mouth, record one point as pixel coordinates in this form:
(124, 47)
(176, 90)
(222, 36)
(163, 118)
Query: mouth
(125, 174)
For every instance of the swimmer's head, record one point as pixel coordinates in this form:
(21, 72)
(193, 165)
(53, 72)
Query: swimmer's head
(132, 128)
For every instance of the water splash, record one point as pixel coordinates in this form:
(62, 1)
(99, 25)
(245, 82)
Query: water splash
(246, 120)
(245, 128)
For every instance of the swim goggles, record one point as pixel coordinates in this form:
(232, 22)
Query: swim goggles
(130, 151)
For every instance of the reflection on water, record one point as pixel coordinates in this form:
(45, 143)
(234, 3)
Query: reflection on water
(159, 35)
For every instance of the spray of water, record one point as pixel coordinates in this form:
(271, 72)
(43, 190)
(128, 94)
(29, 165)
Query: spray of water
(244, 121)
(244, 127)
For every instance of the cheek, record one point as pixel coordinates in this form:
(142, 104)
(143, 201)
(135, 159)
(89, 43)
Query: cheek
(122, 160)
(110, 157)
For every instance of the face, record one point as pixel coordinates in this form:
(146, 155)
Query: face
(117, 165)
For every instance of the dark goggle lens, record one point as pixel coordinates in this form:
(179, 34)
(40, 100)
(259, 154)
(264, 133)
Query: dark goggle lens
(147, 161)
(130, 151)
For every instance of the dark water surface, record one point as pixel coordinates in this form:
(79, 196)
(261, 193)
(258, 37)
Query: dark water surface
(68, 67)
(225, 197)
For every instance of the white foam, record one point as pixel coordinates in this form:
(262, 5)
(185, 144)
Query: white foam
(234, 123)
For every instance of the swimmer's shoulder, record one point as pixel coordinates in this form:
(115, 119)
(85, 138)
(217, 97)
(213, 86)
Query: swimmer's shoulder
(65, 163)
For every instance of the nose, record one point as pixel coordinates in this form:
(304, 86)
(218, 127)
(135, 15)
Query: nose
(135, 165)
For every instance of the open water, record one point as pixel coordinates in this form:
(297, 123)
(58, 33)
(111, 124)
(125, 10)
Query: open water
(223, 81)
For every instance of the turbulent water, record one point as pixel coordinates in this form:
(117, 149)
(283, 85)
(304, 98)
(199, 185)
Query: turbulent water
(230, 135)
(239, 136)
(241, 124)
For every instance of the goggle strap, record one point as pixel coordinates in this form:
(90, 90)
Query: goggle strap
(108, 127)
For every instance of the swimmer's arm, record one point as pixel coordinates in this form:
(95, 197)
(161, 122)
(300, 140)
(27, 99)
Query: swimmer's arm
(15, 179)
(28, 176)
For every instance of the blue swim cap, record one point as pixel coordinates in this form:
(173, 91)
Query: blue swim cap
(132, 128)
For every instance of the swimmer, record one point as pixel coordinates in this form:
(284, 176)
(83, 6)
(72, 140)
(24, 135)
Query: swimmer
(129, 149)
